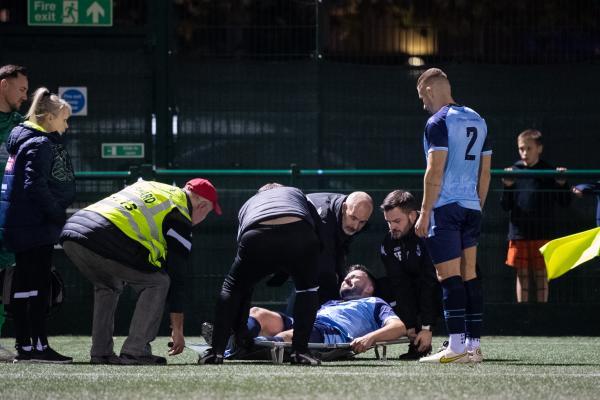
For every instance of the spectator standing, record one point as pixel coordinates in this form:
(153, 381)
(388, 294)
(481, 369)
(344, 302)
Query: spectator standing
(531, 203)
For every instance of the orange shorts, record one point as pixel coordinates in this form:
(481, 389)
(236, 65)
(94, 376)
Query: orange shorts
(525, 254)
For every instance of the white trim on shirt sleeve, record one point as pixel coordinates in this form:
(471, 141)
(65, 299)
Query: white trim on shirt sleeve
(186, 243)
(437, 149)
(391, 317)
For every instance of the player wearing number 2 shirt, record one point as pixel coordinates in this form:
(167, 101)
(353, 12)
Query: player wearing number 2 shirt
(456, 183)
(464, 131)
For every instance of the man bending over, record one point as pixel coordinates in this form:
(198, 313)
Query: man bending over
(359, 318)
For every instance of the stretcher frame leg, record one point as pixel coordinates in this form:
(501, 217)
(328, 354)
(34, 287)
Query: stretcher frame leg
(277, 349)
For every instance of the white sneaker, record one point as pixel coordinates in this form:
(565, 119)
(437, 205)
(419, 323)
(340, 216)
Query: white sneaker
(476, 355)
(446, 356)
(6, 355)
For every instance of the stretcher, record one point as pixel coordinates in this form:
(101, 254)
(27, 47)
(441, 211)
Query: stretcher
(326, 352)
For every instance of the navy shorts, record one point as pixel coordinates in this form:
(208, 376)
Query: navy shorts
(288, 322)
(320, 333)
(452, 229)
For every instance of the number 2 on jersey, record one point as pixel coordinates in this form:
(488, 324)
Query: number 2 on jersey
(471, 133)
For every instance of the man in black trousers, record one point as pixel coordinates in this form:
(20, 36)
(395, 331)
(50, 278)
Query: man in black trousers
(413, 287)
(276, 233)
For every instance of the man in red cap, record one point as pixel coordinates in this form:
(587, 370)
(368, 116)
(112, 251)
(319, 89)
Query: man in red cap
(142, 237)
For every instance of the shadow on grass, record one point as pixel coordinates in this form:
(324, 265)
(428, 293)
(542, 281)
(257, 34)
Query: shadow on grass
(535, 364)
(328, 364)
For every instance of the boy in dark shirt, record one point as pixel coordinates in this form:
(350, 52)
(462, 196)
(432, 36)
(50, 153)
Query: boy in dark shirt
(531, 204)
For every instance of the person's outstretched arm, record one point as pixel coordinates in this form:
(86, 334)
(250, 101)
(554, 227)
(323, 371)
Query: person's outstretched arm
(392, 329)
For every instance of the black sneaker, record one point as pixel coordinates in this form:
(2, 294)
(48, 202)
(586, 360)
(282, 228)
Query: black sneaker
(304, 359)
(238, 349)
(23, 356)
(111, 359)
(206, 331)
(209, 357)
(129, 359)
(49, 356)
(414, 353)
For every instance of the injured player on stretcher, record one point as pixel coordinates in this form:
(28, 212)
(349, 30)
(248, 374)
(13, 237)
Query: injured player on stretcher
(359, 319)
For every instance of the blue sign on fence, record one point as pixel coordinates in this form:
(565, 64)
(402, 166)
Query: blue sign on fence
(76, 96)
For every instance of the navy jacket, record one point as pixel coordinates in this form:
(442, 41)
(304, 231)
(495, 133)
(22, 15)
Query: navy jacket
(37, 187)
(532, 203)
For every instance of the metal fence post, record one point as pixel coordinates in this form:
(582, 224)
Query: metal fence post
(161, 28)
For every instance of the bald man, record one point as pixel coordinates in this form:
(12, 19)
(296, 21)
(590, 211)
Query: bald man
(341, 217)
(338, 218)
(455, 186)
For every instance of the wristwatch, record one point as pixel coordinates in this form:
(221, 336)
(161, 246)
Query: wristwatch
(426, 327)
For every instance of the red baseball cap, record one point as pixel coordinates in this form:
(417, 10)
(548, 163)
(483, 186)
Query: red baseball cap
(203, 187)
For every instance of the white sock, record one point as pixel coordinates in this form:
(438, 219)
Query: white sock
(39, 346)
(473, 343)
(457, 342)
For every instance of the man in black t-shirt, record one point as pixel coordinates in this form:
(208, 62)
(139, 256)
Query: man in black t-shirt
(276, 233)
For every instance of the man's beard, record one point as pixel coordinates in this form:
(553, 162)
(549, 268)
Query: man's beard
(396, 234)
(352, 293)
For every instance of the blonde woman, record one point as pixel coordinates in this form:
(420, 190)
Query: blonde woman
(37, 187)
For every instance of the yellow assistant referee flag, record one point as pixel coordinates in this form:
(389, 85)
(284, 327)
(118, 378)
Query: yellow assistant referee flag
(565, 253)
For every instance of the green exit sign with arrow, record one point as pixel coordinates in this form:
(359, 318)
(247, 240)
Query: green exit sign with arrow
(94, 13)
(122, 150)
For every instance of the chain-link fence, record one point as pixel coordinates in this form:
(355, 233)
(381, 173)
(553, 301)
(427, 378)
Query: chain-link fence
(262, 84)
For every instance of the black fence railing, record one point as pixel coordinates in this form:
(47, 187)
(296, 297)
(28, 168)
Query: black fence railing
(372, 31)
(214, 240)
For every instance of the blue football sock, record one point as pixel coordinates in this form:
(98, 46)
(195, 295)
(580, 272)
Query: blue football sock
(253, 327)
(453, 296)
(474, 309)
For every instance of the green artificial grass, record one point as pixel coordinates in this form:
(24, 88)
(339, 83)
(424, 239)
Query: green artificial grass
(514, 368)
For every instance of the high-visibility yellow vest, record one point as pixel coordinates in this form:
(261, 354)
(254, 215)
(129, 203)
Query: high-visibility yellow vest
(139, 211)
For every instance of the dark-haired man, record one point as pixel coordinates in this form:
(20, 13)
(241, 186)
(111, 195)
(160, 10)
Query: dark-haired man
(414, 290)
(13, 92)
(358, 318)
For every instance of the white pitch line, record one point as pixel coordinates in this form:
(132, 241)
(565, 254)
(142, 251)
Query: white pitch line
(294, 374)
